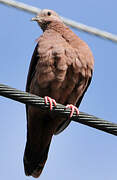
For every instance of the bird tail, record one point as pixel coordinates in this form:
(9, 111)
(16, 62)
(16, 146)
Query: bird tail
(34, 162)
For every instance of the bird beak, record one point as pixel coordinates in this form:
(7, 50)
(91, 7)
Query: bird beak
(35, 18)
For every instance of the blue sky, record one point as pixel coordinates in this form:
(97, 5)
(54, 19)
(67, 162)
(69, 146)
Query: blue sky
(80, 152)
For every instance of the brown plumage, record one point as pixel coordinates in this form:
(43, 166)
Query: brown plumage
(61, 68)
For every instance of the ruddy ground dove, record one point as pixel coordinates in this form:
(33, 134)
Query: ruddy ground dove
(60, 71)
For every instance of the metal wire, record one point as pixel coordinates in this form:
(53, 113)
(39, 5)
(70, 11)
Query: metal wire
(76, 25)
(83, 118)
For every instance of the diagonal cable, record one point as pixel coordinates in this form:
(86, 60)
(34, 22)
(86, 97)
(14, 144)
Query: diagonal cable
(83, 118)
(74, 24)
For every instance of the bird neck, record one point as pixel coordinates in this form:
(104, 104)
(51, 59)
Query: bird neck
(61, 28)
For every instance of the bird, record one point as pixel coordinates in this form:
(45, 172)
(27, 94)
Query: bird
(60, 71)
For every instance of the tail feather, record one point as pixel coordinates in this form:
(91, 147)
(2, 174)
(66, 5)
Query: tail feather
(33, 162)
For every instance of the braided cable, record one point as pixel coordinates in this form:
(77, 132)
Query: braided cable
(74, 24)
(83, 118)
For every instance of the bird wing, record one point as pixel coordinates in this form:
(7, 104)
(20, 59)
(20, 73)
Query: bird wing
(32, 66)
(40, 127)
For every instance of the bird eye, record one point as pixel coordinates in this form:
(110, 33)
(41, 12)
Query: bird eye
(49, 13)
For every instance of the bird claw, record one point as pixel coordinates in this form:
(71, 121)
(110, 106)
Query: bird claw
(51, 102)
(73, 108)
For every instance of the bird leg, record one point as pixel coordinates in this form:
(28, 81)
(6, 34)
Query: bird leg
(51, 102)
(73, 108)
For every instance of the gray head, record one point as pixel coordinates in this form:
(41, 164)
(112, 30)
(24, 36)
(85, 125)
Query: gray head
(45, 17)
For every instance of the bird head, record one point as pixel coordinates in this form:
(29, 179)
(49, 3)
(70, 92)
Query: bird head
(45, 17)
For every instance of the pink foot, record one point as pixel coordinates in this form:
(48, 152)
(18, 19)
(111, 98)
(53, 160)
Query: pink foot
(51, 102)
(73, 108)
